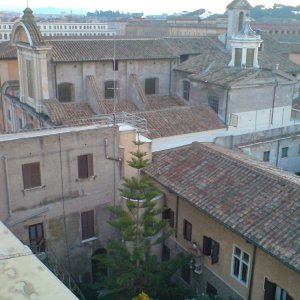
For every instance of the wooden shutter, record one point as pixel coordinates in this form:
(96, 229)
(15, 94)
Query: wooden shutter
(270, 290)
(215, 252)
(31, 175)
(171, 218)
(90, 165)
(87, 224)
(187, 230)
(82, 166)
(206, 245)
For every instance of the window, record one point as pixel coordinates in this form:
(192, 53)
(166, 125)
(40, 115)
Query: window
(211, 290)
(238, 57)
(8, 115)
(20, 123)
(85, 166)
(183, 57)
(249, 57)
(168, 214)
(241, 21)
(213, 102)
(240, 265)
(274, 292)
(87, 224)
(187, 230)
(31, 175)
(115, 65)
(110, 89)
(29, 78)
(266, 156)
(151, 86)
(186, 90)
(284, 152)
(165, 253)
(211, 248)
(186, 274)
(65, 92)
(36, 238)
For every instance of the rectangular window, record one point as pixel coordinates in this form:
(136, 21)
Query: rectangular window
(211, 248)
(165, 253)
(8, 115)
(187, 230)
(211, 290)
(186, 274)
(87, 224)
(240, 264)
(36, 237)
(266, 156)
(115, 65)
(284, 152)
(168, 214)
(110, 89)
(29, 78)
(186, 90)
(151, 86)
(238, 57)
(20, 123)
(250, 58)
(213, 102)
(274, 292)
(31, 175)
(85, 166)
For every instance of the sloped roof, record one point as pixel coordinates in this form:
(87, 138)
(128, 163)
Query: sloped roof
(103, 49)
(60, 112)
(180, 120)
(119, 106)
(7, 51)
(240, 4)
(252, 198)
(155, 102)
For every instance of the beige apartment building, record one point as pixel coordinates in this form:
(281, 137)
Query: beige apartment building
(57, 184)
(236, 216)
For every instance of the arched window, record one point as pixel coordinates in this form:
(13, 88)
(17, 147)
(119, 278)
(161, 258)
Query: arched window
(241, 21)
(213, 102)
(186, 90)
(65, 92)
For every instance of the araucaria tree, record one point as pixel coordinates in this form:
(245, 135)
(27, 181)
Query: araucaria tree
(131, 264)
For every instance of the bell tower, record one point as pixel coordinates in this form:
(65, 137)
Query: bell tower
(237, 12)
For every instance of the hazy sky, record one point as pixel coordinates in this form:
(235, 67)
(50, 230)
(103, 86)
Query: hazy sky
(148, 7)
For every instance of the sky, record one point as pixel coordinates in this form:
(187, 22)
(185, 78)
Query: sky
(148, 7)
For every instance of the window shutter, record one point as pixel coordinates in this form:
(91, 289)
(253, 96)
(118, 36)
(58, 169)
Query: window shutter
(82, 166)
(87, 224)
(35, 174)
(166, 213)
(206, 245)
(270, 290)
(171, 218)
(26, 176)
(90, 165)
(215, 252)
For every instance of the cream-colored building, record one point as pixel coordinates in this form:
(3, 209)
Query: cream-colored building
(237, 217)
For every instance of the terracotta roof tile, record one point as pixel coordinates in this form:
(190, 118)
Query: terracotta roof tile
(121, 105)
(250, 197)
(160, 102)
(60, 113)
(180, 120)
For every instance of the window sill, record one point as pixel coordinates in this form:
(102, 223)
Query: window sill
(36, 188)
(86, 178)
(89, 240)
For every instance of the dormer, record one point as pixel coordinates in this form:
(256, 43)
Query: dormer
(244, 47)
(237, 12)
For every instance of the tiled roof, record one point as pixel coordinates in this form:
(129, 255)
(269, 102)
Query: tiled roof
(7, 51)
(161, 102)
(252, 198)
(180, 120)
(97, 50)
(119, 106)
(60, 113)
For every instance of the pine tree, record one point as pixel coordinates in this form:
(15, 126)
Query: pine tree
(132, 266)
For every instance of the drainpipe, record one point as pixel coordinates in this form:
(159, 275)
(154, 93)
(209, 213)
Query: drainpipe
(55, 82)
(226, 109)
(177, 208)
(252, 272)
(273, 101)
(277, 153)
(170, 77)
(7, 188)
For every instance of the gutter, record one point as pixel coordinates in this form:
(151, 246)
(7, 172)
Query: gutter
(7, 188)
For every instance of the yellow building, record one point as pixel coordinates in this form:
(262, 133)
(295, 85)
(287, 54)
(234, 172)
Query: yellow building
(237, 216)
